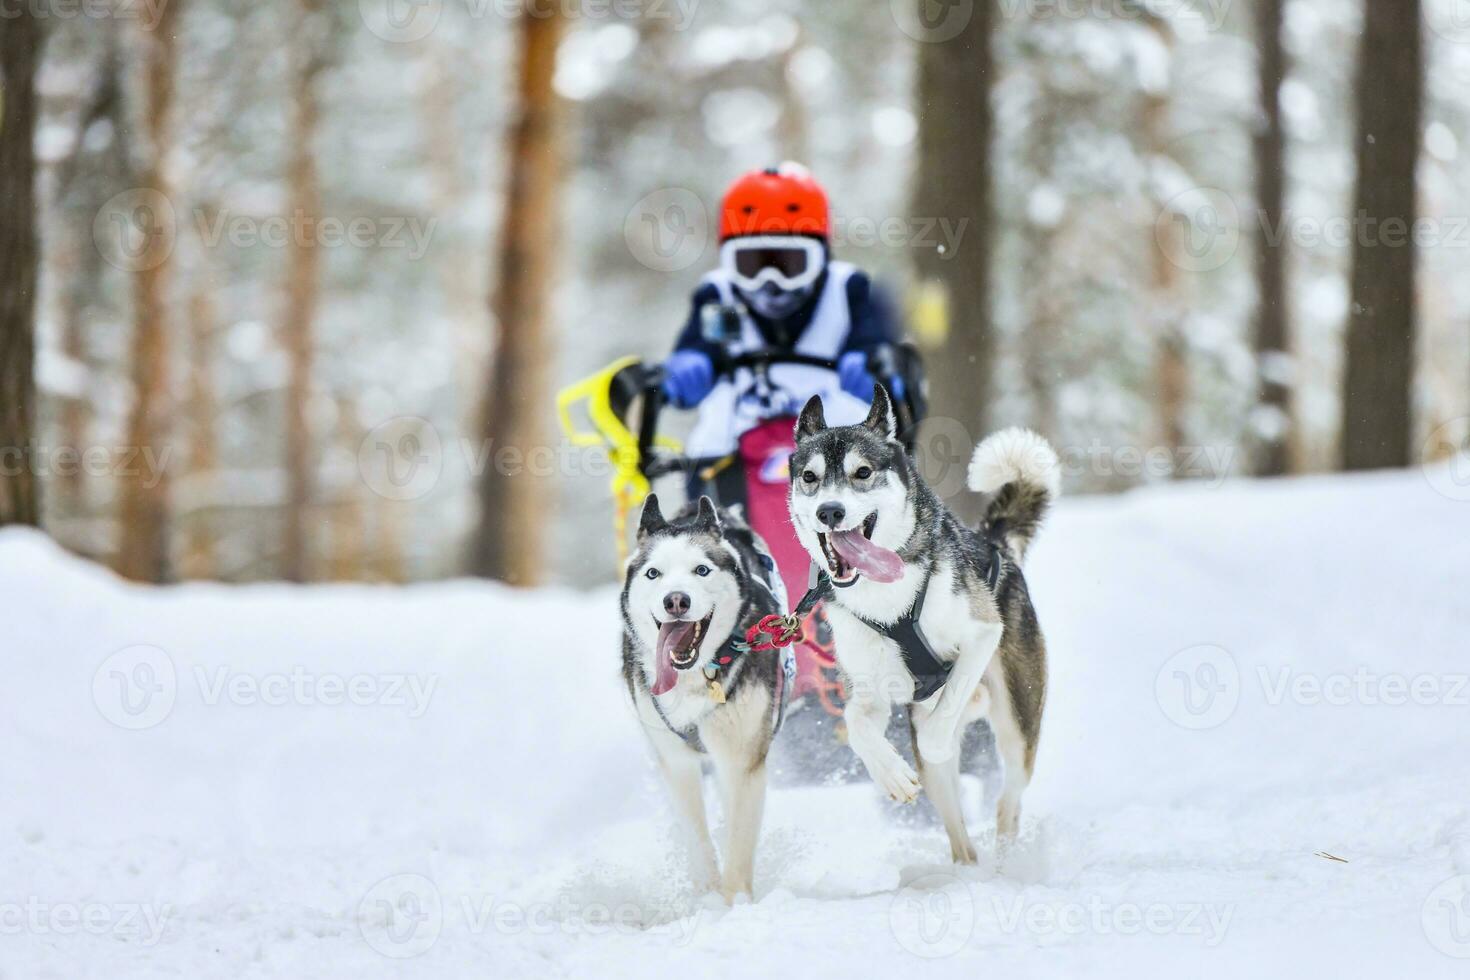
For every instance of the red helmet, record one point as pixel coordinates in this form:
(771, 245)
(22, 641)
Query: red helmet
(782, 200)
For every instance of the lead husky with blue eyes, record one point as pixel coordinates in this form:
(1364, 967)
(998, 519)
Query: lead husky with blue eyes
(691, 591)
(973, 650)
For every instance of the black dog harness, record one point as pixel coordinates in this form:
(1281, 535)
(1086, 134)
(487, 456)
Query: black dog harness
(929, 672)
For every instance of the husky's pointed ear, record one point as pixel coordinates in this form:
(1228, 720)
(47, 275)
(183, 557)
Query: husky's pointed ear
(812, 420)
(880, 417)
(652, 521)
(708, 518)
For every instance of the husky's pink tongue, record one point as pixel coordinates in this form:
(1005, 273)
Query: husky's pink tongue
(671, 637)
(877, 563)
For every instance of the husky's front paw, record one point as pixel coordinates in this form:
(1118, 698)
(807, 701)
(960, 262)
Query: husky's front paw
(894, 777)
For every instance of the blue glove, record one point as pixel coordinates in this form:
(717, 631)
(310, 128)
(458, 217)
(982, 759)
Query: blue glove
(858, 381)
(690, 375)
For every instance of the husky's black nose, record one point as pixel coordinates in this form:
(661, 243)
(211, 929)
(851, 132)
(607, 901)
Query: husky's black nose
(676, 603)
(831, 514)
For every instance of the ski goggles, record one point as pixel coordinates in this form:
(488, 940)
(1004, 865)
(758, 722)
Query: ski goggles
(790, 261)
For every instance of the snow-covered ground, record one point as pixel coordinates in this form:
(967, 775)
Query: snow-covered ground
(443, 781)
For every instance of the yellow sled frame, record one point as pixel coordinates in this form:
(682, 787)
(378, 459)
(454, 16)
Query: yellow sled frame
(629, 486)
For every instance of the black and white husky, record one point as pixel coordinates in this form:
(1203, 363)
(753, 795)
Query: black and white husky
(973, 650)
(694, 587)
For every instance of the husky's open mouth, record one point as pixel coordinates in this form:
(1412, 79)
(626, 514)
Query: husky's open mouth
(678, 649)
(851, 554)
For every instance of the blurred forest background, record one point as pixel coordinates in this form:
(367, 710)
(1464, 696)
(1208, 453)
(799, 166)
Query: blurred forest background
(287, 287)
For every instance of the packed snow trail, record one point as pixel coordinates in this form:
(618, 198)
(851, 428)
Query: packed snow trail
(1254, 758)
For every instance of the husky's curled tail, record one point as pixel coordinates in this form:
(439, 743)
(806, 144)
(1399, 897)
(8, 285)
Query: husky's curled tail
(1022, 470)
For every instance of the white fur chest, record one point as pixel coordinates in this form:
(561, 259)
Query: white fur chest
(874, 661)
(689, 701)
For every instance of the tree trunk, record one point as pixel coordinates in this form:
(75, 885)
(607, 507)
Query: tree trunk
(143, 552)
(199, 561)
(952, 183)
(1166, 303)
(302, 289)
(793, 130)
(512, 504)
(21, 37)
(1377, 413)
(1271, 427)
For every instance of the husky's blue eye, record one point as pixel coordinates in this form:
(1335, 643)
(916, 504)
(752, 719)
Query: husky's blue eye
(652, 573)
(809, 477)
(702, 570)
(862, 473)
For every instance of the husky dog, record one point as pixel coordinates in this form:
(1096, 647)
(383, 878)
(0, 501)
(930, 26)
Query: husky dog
(888, 545)
(692, 590)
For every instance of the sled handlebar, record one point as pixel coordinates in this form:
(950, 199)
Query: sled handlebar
(883, 364)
